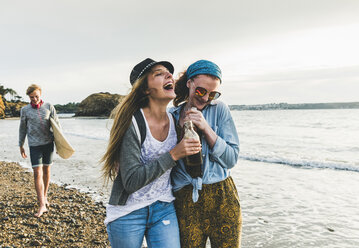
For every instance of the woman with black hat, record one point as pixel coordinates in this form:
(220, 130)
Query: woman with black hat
(141, 201)
(207, 201)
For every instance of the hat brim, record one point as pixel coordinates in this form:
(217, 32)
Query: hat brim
(149, 66)
(166, 64)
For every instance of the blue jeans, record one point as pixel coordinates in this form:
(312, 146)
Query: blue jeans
(157, 222)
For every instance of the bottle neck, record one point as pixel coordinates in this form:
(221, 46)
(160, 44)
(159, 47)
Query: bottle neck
(188, 125)
(189, 107)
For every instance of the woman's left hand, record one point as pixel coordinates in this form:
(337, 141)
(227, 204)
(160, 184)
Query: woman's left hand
(197, 118)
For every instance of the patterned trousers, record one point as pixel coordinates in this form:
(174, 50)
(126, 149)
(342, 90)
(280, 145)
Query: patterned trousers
(216, 215)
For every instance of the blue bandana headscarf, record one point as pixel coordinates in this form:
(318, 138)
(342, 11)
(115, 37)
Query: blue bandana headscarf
(204, 67)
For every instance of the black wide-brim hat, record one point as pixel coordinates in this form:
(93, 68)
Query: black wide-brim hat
(146, 65)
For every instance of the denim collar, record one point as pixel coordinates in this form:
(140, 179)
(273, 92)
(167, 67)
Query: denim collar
(178, 109)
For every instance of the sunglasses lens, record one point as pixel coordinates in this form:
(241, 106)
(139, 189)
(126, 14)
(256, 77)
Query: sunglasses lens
(213, 95)
(201, 91)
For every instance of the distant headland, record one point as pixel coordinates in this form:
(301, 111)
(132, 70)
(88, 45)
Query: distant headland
(98, 104)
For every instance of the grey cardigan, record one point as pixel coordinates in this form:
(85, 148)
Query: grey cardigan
(35, 123)
(134, 175)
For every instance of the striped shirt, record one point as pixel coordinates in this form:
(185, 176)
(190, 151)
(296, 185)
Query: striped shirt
(35, 123)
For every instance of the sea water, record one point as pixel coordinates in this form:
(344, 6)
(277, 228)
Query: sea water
(297, 176)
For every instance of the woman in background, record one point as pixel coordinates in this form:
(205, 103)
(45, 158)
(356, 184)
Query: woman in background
(35, 124)
(141, 201)
(207, 201)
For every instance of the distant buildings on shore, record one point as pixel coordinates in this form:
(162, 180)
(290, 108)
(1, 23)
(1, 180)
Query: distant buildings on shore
(276, 106)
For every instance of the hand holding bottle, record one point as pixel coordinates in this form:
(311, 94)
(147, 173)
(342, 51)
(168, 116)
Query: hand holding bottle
(200, 122)
(185, 147)
(197, 118)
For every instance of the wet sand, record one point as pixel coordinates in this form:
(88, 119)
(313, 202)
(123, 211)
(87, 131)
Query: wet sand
(73, 219)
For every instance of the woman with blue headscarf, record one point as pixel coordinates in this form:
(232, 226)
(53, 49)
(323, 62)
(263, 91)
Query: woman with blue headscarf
(207, 202)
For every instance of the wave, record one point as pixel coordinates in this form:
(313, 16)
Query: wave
(302, 163)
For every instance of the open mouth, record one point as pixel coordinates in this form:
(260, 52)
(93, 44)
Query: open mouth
(168, 86)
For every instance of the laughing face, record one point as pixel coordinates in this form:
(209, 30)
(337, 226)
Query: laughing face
(160, 84)
(210, 84)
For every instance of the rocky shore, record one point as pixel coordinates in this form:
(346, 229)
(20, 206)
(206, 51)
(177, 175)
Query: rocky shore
(10, 109)
(98, 104)
(73, 219)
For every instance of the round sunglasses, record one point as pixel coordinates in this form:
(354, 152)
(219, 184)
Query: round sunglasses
(213, 95)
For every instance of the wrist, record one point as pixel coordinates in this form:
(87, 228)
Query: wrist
(172, 153)
(207, 131)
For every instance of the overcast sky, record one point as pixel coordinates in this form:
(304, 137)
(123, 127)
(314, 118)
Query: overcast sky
(269, 51)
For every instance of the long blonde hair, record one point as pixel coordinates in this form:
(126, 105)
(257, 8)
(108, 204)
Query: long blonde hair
(122, 115)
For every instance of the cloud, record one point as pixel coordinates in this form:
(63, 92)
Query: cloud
(295, 86)
(75, 48)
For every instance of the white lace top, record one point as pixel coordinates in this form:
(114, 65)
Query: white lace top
(158, 190)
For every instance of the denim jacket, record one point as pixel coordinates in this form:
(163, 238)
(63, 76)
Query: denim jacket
(216, 161)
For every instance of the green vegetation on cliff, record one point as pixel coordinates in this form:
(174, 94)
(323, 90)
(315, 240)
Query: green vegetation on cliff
(70, 107)
(10, 108)
(8, 91)
(2, 108)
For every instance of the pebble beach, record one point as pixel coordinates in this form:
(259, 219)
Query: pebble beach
(73, 219)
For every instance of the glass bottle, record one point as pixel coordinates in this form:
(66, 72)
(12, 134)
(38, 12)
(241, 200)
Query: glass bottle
(194, 160)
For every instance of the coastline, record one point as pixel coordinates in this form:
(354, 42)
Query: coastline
(74, 219)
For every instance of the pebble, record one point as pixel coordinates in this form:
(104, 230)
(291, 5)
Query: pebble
(48, 239)
(97, 242)
(35, 243)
